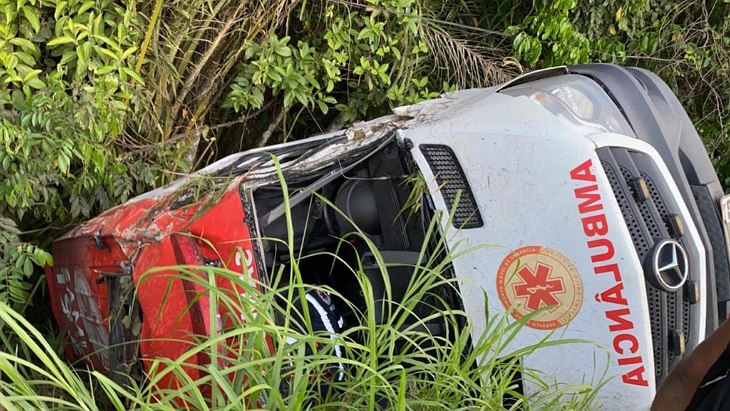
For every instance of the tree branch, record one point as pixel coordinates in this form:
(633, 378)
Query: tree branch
(204, 60)
(242, 119)
(266, 136)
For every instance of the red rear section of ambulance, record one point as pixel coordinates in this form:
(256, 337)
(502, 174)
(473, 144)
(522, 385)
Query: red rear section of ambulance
(99, 266)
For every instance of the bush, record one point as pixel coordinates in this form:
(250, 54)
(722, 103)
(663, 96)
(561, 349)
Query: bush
(106, 99)
(70, 84)
(686, 43)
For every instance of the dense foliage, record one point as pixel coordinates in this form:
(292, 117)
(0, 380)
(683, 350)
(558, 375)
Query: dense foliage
(68, 80)
(685, 42)
(104, 99)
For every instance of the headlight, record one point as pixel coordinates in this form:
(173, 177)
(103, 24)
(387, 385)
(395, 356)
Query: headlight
(576, 99)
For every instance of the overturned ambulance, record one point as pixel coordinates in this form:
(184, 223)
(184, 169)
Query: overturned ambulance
(591, 179)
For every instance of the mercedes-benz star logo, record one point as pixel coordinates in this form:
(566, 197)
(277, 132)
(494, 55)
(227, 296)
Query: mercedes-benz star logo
(669, 266)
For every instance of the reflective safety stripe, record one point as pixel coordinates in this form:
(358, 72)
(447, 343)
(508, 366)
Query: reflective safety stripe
(328, 326)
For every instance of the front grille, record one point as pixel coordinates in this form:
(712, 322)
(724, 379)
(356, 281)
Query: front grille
(452, 182)
(646, 221)
(664, 213)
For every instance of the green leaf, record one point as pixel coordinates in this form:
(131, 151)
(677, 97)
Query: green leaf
(83, 52)
(364, 33)
(105, 70)
(86, 6)
(302, 98)
(384, 77)
(512, 30)
(274, 75)
(107, 52)
(61, 40)
(288, 99)
(36, 83)
(32, 18)
(128, 52)
(113, 44)
(63, 163)
(12, 78)
(25, 58)
(412, 26)
(68, 57)
(25, 44)
(283, 51)
(32, 74)
(131, 73)
(323, 106)
(20, 261)
(60, 7)
(28, 267)
(9, 12)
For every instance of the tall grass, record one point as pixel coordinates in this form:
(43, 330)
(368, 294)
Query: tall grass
(254, 353)
(426, 373)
